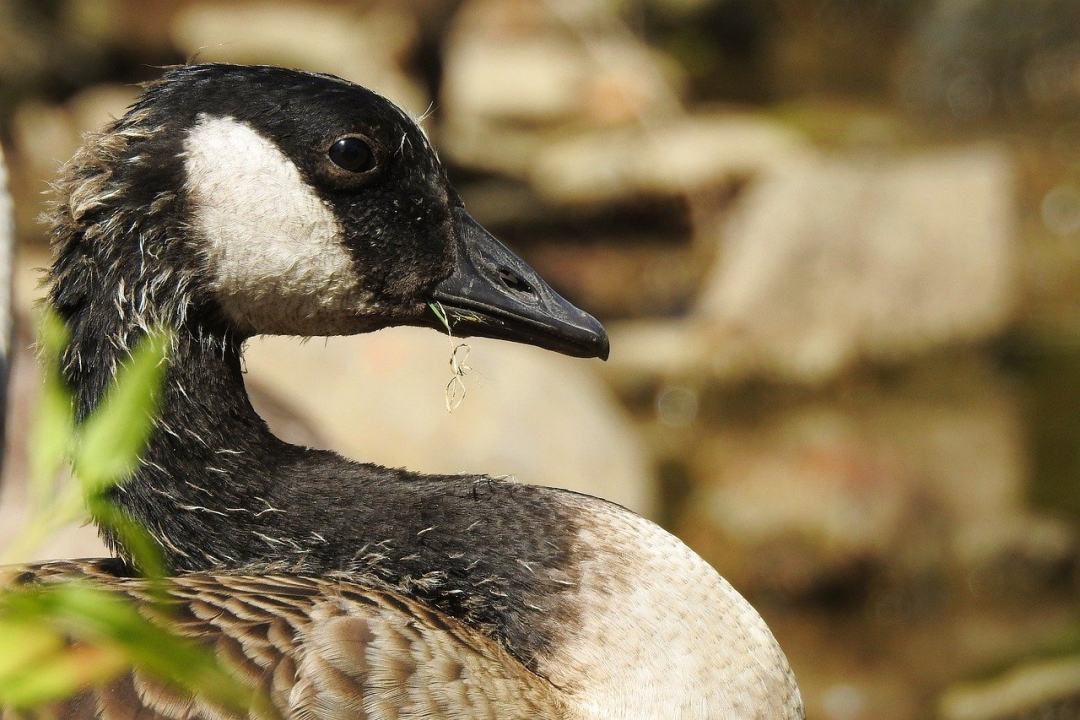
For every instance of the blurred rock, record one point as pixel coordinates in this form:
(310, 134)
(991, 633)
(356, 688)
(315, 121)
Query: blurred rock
(645, 351)
(601, 122)
(527, 85)
(613, 277)
(830, 262)
(827, 263)
(577, 63)
(922, 480)
(681, 156)
(985, 58)
(1048, 689)
(893, 657)
(802, 501)
(544, 419)
(367, 46)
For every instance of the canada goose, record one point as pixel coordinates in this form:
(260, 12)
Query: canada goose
(232, 201)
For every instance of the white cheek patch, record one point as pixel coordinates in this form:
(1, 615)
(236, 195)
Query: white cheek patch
(273, 249)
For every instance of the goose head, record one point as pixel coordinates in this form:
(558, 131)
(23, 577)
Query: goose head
(273, 201)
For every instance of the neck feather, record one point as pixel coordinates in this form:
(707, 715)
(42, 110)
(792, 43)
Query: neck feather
(123, 265)
(205, 466)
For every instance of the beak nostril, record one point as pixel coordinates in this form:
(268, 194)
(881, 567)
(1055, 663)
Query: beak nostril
(514, 282)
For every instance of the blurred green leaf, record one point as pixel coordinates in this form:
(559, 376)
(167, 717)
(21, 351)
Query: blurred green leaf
(112, 632)
(52, 430)
(114, 436)
(60, 638)
(23, 645)
(60, 674)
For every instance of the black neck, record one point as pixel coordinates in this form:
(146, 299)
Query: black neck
(218, 491)
(209, 456)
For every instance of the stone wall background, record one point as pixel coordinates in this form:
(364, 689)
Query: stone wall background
(836, 242)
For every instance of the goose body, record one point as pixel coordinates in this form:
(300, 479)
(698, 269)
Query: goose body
(232, 201)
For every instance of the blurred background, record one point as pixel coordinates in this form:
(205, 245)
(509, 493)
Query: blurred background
(836, 243)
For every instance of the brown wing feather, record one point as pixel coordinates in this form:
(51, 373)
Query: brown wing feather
(319, 649)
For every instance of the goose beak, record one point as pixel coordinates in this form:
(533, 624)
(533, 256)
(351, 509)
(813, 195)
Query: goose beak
(494, 293)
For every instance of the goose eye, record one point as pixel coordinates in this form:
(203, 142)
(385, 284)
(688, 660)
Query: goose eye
(352, 154)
